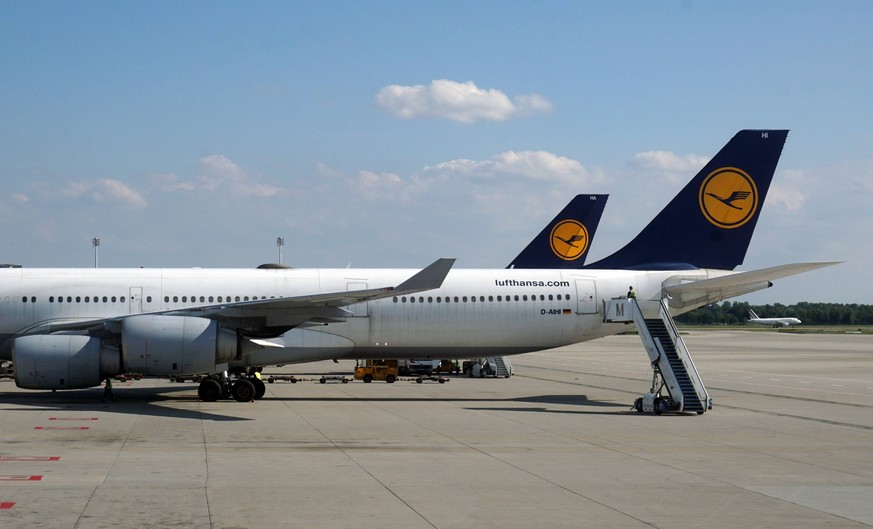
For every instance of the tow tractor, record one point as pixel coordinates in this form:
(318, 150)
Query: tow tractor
(377, 370)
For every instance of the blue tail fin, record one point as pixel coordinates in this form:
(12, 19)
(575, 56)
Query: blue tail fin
(709, 224)
(564, 242)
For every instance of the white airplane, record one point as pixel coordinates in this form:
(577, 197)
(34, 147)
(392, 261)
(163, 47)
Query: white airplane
(71, 328)
(775, 322)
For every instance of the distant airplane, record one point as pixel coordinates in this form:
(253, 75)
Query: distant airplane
(775, 322)
(71, 328)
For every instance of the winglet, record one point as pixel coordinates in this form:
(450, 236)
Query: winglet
(429, 278)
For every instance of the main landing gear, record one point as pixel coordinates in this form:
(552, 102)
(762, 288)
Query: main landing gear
(246, 388)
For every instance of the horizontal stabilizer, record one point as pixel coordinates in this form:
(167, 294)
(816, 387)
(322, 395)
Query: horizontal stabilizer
(706, 291)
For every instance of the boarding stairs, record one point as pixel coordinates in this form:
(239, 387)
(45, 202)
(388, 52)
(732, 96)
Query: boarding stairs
(673, 369)
(502, 366)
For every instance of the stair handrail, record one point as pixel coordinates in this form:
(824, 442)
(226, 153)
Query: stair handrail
(677, 339)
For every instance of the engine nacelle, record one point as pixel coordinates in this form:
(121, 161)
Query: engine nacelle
(175, 345)
(51, 361)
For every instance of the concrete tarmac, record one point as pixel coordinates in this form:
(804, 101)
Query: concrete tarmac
(789, 444)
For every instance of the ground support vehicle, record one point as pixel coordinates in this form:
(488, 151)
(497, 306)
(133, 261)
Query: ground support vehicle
(372, 370)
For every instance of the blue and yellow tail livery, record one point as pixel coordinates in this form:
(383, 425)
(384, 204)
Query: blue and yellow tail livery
(565, 242)
(709, 224)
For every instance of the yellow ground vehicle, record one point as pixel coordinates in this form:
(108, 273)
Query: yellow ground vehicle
(372, 370)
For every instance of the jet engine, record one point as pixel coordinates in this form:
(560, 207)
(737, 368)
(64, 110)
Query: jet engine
(57, 361)
(175, 345)
(150, 345)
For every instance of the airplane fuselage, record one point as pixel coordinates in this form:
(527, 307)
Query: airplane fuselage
(475, 313)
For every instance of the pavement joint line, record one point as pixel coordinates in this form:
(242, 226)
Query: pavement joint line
(388, 489)
(514, 466)
(108, 472)
(205, 461)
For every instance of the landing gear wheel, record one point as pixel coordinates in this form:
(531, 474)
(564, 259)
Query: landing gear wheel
(243, 391)
(368, 378)
(390, 379)
(260, 388)
(209, 390)
(419, 380)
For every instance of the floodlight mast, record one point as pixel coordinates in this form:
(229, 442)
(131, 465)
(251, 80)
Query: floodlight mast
(95, 242)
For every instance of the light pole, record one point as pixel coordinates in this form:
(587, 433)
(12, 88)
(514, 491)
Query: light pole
(280, 242)
(95, 242)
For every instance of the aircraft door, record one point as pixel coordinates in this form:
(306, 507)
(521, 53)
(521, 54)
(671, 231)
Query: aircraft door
(586, 296)
(359, 310)
(135, 300)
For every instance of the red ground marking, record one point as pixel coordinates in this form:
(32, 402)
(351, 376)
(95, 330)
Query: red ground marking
(17, 477)
(62, 428)
(30, 458)
(6, 504)
(72, 418)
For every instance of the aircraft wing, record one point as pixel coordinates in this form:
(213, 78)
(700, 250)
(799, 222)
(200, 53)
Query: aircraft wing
(695, 294)
(272, 317)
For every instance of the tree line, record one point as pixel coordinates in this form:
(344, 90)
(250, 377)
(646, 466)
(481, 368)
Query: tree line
(734, 312)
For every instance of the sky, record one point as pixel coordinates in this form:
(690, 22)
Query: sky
(388, 134)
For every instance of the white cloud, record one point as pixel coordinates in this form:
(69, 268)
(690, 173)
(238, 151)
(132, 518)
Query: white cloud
(668, 161)
(106, 191)
(218, 173)
(373, 185)
(464, 102)
(527, 165)
(789, 198)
